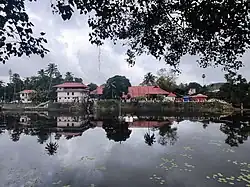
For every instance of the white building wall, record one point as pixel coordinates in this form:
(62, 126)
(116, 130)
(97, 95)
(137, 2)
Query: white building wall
(68, 122)
(25, 97)
(64, 96)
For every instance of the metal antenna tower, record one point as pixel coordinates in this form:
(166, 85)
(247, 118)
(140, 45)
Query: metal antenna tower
(99, 58)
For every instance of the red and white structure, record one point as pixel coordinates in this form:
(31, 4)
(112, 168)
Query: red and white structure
(25, 95)
(199, 98)
(71, 92)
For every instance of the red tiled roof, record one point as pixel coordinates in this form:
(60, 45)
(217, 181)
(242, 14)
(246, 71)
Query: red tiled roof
(171, 95)
(98, 90)
(71, 85)
(136, 91)
(28, 91)
(199, 96)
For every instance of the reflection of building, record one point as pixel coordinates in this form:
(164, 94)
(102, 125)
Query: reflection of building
(139, 124)
(68, 121)
(70, 126)
(25, 95)
(25, 120)
(71, 92)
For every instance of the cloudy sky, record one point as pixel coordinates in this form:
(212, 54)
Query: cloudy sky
(71, 51)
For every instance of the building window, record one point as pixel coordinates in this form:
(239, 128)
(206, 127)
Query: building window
(59, 98)
(65, 97)
(59, 119)
(23, 94)
(67, 93)
(67, 124)
(72, 124)
(68, 97)
(73, 93)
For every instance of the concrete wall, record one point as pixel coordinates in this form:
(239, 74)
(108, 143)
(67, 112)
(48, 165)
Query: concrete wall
(65, 96)
(16, 106)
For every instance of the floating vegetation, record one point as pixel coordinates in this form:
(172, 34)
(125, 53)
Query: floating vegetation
(188, 149)
(102, 168)
(87, 158)
(244, 176)
(228, 150)
(157, 179)
(187, 156)
(90, 158)
(168, 164)
(56, 183)
(214, 143)
(196, 138)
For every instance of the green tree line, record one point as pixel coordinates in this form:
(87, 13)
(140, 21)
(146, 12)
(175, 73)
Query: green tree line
(43, 83)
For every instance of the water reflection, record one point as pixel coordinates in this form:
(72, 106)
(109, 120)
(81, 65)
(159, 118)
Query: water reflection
(160, 129)
(73, 150)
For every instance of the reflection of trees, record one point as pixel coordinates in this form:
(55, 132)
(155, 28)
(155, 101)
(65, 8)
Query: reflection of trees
(15, 134)
(42, 136)
(168, 135)
(117, 131)
(205, 123)
(237, 133)
(149, 139)
(58, 136)
(51, 148)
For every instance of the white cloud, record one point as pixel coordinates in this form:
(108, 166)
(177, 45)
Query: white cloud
(71, 50)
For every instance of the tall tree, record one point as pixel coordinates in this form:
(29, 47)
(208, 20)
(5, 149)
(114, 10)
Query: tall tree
(78, 80)
(149, 79)
(92, 86)
(116, 86)
(69, 77)
(41, 73)
(51, 71)
(166, 80)
(165, 29)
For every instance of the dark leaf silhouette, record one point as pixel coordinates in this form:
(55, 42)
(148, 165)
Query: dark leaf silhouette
(149, 139)
(51, 148)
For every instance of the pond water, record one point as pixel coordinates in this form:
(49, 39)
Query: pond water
(71, 151)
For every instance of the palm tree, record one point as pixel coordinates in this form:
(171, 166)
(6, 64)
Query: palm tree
(149, 139)
(51, 71)
(69, 77)
(149, 79)
(16, 81)
(51, 148)
(41, 73)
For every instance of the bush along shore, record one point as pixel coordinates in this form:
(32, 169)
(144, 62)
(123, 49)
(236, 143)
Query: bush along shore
(115, 107)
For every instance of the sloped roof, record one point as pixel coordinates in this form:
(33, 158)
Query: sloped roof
(199, 95)
(137, 91)
(98, 90)
(71, 85)
(28, 91)
(171, 95)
